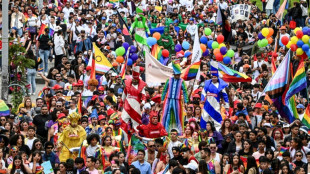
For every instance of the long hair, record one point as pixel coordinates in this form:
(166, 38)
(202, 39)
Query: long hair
(34, 154)
(33, 149)
(274, 131)
(14, 138)
(22, 168)
(203, 167)
(251, 164)
(223, 125)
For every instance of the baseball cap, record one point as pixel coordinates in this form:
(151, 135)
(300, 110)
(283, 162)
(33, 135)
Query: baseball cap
(300, 106)
(103, 18)
(88, 68)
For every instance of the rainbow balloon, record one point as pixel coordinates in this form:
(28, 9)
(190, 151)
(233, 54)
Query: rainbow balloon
(4, 109)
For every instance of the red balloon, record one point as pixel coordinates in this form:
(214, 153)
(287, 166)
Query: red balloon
(165, 53)
(285, 40)
(219, 57)
(293, 47)
(182, 52)
(220, 39)
(304, 56)
(299, 34)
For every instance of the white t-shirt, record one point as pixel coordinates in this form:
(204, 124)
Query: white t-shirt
(29, 142)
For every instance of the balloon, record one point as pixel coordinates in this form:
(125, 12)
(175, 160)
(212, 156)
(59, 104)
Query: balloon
(120, 51)
(270, 32)
(305, 38)
(265, 32)
(185, 45)
(304, 56)
(216, 51)
(220, 38)
(204, 39)
(299, 34)
(289, 44)
(133, 49)
(126, 45)
(260, 36)
(114, 64)
(308, 53)
(230, 53)
(151, 41)
(210, 43)
(156, 35)
(134, 57)
(129, 62)
(226, 60)
(208, 31)
(120, 59)
(294, 40)
(182, 52)
(270, 40)
(305, 30)
(203, 47)
(300, 43)
(215, 45)
(274, 54)
(223, 50)
(299, 52)
(187, 53)
(219, 57)
(222, 45)
(177, 47)
(296, 29)
(206, 53)
(264, 42)
(293, 47)
(305, 47)
(284, 40)
(165, 53)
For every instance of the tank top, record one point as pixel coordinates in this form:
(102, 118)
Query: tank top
(211, 167)
(217, 157)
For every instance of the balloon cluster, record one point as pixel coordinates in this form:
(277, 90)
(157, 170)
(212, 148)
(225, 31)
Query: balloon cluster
(265, 37)
(121, 51)
(299, 42)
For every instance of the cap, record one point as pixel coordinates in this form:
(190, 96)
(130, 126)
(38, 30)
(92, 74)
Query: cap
(283, 28)
(103, 18)
(246, 66)
(110, 112)
(61, 115)
(300, 106)
(156, 98)
(46, 88)
(211, 22)
(267, 124)
(88, 68)
(75, 84)
(80, 83)
(88, 16)
(258, 105)
(196, 96)
(113, 74)
(56, 87)
(136, 72)
(147, 106)
(101, 104)
(192, 166)
(101, 117)
(286, 125)
(191, 19)
(100, 88)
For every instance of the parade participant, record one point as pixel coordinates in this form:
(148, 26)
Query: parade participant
(140, 28)
(166, 41)
(172, 117)
(154, 129)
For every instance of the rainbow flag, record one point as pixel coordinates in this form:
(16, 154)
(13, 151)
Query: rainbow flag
(191, 71)
(86, 100)
(282, 150)
(230, 75)
(79, 105)
(115, 1)
(101, 62)
(245, 161)
(51, 32)
(41, 94)
(133, 146)
(4, 109)
(306, 118)
(291, 104)
(156, 51)
(42, 28)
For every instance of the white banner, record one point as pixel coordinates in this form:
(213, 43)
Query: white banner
(240, 11)
(155, 72)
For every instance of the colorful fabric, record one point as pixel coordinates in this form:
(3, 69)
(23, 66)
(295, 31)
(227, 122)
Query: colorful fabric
(4, 109)
(230, 75)
(156, 51)
(190, 72)
(176, 68)
(306, 118)
(102, 63)
(133, 146)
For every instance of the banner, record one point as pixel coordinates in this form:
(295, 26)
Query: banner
(155, 72)
(240, 11)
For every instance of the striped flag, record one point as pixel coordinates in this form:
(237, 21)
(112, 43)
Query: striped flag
(190, 72)
(156, 51)
(41, 94)
(42, 28)
(102, 64)
(306, 118)
(230, 75)
(79, 105)
(124, 29)
(280, 12)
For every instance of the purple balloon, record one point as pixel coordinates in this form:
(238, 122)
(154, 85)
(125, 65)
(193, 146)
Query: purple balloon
(223, 50)
(206, 53)
(133, 49)
(134, 57)
(126, 45)
(260, 36)
(178, 47)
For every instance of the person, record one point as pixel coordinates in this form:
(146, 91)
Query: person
(59, 47)
(90, 164)
(44, 49)
(172, 101)
(191, 160)
(49, 155)
(141, 164)
(19, 166)
(154, 129)
(39, 121)
(92, 148)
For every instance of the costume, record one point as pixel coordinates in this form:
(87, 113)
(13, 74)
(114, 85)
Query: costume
(132, 98)
(166, 41)
(152, 130)
(173, 108)
(140, 27)
(96, 129)
(72, 136)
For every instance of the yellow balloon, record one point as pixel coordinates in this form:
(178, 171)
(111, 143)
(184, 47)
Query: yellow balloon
(289, 45)
(265, 32)
(299, 51)
(294, 39)
(305, 38)
(296, 29)
(222, 45)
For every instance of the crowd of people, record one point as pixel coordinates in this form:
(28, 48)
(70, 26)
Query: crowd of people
(108, 124)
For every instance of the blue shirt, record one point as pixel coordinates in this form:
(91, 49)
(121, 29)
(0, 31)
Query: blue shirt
(144, 168)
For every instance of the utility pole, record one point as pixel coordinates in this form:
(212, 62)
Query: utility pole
(5, 50)
(40, 5)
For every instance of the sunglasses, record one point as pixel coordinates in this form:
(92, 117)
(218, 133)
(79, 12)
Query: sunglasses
(58, 76)
(49, 148)
(14, 151)
(152, 146)
(3, 120)
(298, 155)
(58, 106)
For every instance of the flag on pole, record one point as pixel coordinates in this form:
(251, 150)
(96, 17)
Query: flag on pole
(219, 18)
(156, 51)
(230, 75)
(42, 28)
(190, 72)
(280, 12)
(102, 64)
(79, 105)
(306, 118)
(124, 29)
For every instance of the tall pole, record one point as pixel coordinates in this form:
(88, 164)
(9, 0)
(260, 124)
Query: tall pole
(5, 50)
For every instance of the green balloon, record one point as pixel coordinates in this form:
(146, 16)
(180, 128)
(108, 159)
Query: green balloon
(264, 42)
(208, 31)
(259, 43)
(215, 45)
(120, 51)
(230, 53)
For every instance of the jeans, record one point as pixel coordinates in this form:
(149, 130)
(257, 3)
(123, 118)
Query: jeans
(44, 54)
(87, 44)
(269, 11)
(31, 78)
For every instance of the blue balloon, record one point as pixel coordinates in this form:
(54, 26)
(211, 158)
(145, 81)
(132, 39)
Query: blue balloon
(187, 53)
(133, 49)
(305, 30)
(260, 36)
(305, 47)
(126, 45)
(226, 60)
(129, 62)
(185, 45)
(204, 39)
(206, 53)
(134, 57)
(223, 50)
(308, 53)
(177, 47)
(210, 43)
(300, 43)
(151, 41)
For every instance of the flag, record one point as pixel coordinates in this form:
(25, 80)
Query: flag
(282, 150)
(273, 65)
(219, 18)
(280, 12)
(42, 28)
(92, 64)
(133, 146)
(191, 71)
(299, 81)
(291, 104)
(196, 55)
(226, 28)
(156, 51)
(115, 1)
(79, 105)
(160, 30)
(51, 32)
(4, 109)
(86, 100)
(124, 29)
(306, 118)
(102, 64)
(245, 161)
(41, 94)
(230, 75)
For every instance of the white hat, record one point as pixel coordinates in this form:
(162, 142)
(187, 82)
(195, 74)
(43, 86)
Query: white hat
(88, 16)
(147, 106)
(267, 124)
(192, 165)
(114, 74)
(286, 125)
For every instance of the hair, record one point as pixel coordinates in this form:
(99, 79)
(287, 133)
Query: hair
(22, 168)
(173, 163)
(231, 159)
(178, 171)
(91, 137)
(34, 154)
(249, 141)
(202, 167)
(223, 125)
(185, 149)
(287, 165)
(142, 151)
(104, 138)
(48, 143)
(212, 126)
(201, 144)
(135, 171)
(160, 151)
(92, 159)
(271, 152)
(251, 164)
(299, 143)
(79, 160)
(14, 138)
(277, 129)
(33, 145)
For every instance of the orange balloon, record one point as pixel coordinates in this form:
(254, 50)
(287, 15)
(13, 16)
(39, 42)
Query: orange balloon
(271, 31)
(270, 40)
(114, 64)
(216, 50)
(203, 47)
(120, 59)
(156, 35)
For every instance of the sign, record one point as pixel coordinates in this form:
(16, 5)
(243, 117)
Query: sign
(240, 11)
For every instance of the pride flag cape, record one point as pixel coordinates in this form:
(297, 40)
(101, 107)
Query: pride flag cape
(306, 118)
(133, 146)
(191, 71)
(230, 75)
(4, 109)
